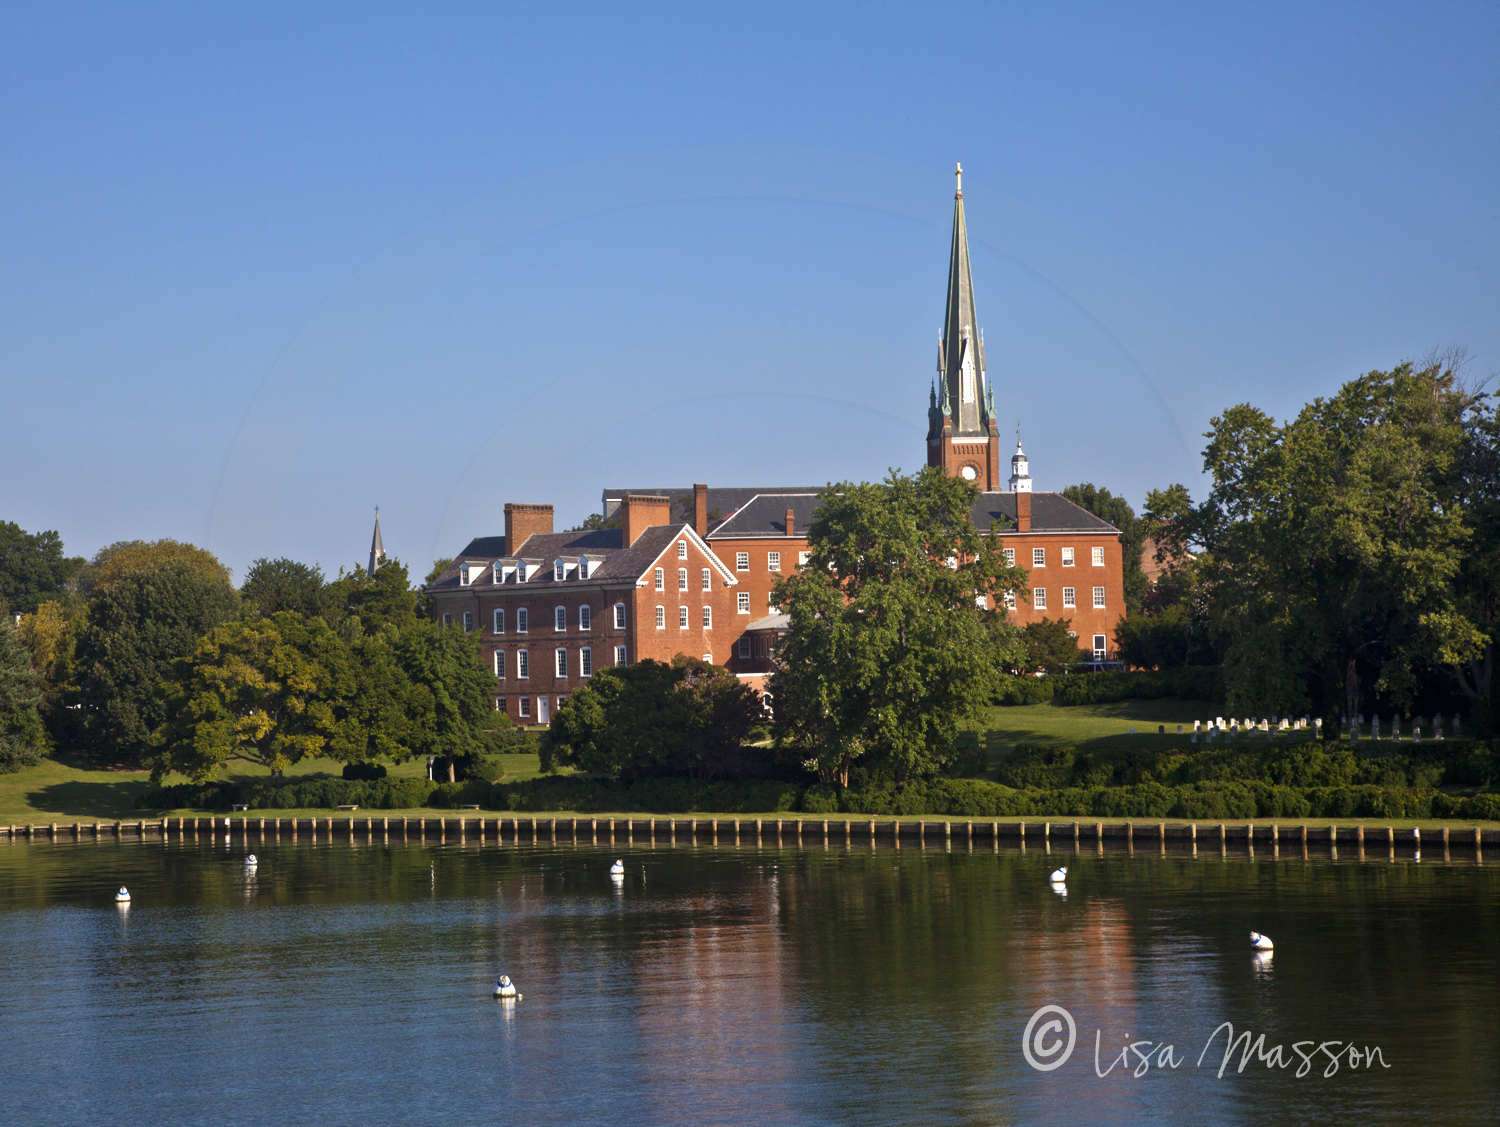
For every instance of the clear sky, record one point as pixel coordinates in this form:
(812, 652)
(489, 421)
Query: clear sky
(264, 267)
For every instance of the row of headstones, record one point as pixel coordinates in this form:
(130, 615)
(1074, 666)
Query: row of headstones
(1272, 727)
(1417, 727)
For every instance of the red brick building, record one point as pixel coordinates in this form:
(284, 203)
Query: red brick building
(553, 607)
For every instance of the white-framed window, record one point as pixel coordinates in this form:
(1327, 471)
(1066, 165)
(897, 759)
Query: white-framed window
(447, 621)
(559, 618)
(1099, 650)
(708, 582)
(619, 655)
(520, 571)
(682, 579)
(682, 549)
(708, 618)
(773, 561)
(1067, 554)
(619, 616)
(1039, 557)
(499, 704)
(499, 623)
(1010, 557)
(586, 662)
(745, 645)
(583, 567)
(1098, 598)
(802, 558)
(661, 618)
(559, 570)
(708, 659)
(468, 621)
(523, 664)
(562, 662)
(497, 575)
(1010, 600)
(463, 575)
(585, 618)
(521, 620)
(1098, 557)
(661, 579)
(526, 706)
(500, 664)
(744, 602)
(1039, 598)
(1068, 599)
(742, 561)
(1072, 633)
(682, 615)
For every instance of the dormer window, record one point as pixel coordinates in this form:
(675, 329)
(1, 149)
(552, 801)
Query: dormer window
(463, 575)
(559, 571)
(583, 567)
(497, 573)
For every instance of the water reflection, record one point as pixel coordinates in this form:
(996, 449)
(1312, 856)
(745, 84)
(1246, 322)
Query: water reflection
(759, 984)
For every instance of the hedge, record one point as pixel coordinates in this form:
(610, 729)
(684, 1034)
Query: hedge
(1190, 682)
(1025, 690)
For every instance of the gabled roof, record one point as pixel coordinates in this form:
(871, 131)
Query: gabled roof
(1050, 512)
(765, 515)
(603, 546)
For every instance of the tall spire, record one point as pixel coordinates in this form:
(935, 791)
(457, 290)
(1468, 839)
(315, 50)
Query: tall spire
(963, 346)
(377, 549)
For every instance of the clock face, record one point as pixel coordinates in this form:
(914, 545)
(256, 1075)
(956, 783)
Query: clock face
(969, 473)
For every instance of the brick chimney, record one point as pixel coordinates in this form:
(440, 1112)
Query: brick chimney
(1023, 512)
(700, 509)
(791, 523)
(641, 512)
(523, 522)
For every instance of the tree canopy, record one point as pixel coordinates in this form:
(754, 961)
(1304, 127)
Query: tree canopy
(281, 584)
(654, 718)
(21, 735)
(891, 645)
(33, 568)
(1347, 549)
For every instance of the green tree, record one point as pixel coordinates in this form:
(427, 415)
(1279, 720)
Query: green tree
(269, 692)
(32, 568)
(374, 599)
(653, 718)
(594, 522)
(452, 693)
(1335, 541)
(1106, 506)
(22, 738)
(138, 623)
(128, 557)
(891, 646)
(1049, 647)
(276, 585)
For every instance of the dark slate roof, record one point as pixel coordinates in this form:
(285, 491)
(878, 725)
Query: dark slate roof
(1050, 512)
(765, 515)
(616, 563)
(727, 499)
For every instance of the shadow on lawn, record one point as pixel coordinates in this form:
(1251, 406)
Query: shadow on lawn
(102, 800)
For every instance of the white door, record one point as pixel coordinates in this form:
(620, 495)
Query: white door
(543, 713)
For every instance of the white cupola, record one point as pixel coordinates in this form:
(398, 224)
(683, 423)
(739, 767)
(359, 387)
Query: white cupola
(1020, 473)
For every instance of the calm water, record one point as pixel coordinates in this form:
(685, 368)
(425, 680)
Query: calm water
(351, 984)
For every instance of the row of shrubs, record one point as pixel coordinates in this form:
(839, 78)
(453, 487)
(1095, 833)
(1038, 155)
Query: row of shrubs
(962, 798)
(1428, 766)
(1190, 682)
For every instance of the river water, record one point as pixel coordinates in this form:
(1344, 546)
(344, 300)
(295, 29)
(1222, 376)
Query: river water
(350, 982)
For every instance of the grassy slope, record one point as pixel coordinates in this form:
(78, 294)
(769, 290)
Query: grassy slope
(53, 792)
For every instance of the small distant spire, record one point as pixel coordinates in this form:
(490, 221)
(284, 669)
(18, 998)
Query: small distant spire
(377, 548)
(959, 176)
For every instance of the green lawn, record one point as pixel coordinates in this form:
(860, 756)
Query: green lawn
(53, 792)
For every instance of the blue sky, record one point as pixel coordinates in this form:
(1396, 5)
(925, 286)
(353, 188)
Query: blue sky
(266, 267)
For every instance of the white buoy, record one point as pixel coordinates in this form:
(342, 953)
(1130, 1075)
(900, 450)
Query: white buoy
(1059, 875)
(505, 988)
(1261, 942)
(251, 861)
(617, 869)
(123, 896)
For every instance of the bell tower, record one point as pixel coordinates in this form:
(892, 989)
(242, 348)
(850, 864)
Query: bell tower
(961, 433)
